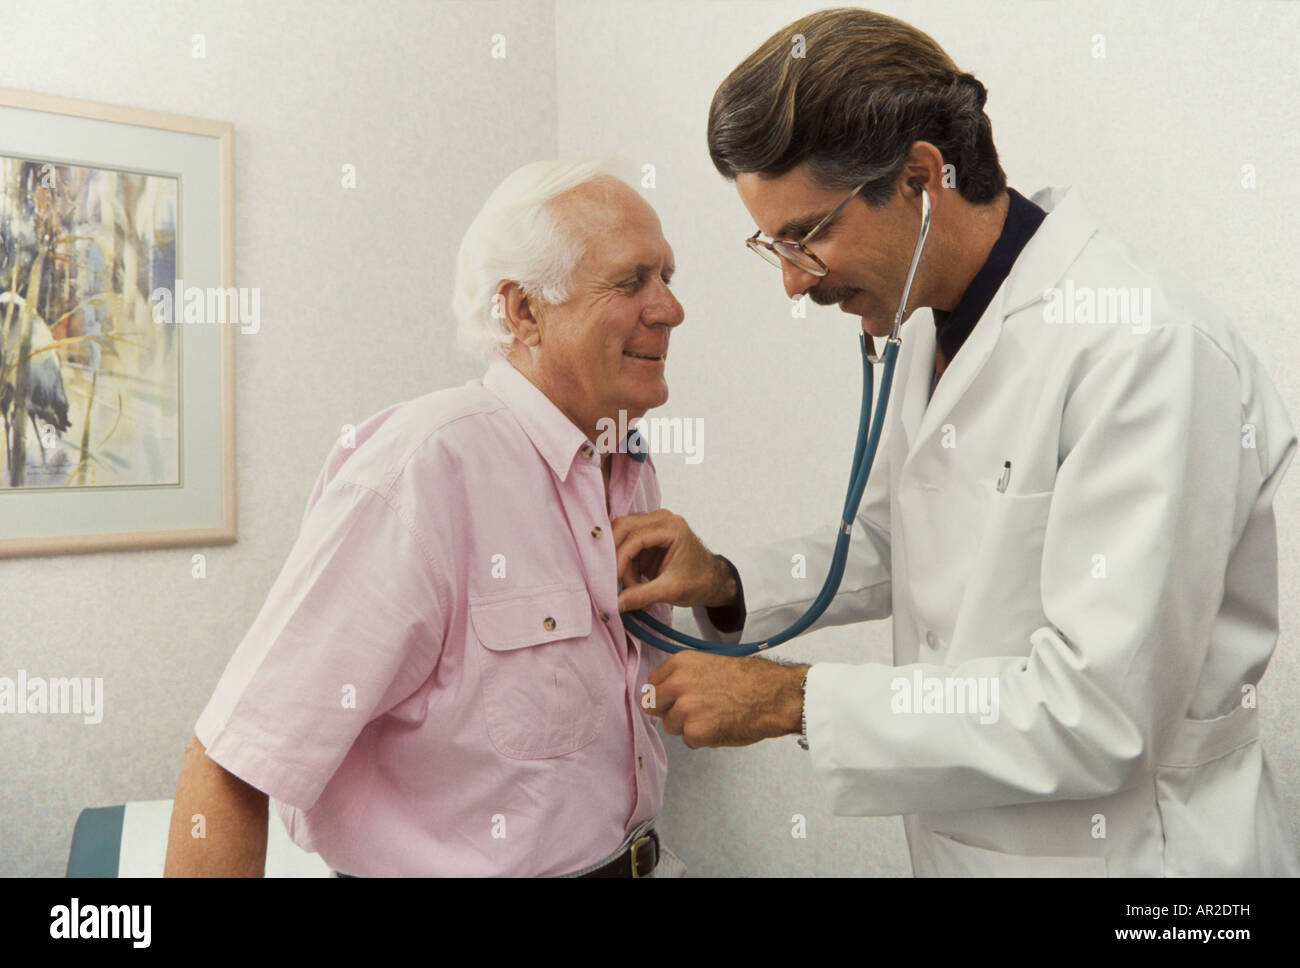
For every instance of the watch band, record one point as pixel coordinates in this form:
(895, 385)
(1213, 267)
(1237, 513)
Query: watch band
(803, 715)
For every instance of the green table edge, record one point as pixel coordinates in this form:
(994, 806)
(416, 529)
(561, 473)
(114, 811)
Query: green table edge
(97, 842)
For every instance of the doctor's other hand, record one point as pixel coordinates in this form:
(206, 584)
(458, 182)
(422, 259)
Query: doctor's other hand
(722, 700)
(661, 547)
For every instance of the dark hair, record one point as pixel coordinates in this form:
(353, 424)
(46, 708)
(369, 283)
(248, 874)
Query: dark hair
(866, 88)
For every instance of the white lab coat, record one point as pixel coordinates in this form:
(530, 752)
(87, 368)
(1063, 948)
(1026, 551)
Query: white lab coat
(1122, 590)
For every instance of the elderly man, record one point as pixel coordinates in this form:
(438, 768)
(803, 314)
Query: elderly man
(438, 683)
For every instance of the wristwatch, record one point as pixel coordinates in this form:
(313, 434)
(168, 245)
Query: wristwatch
(803, 716)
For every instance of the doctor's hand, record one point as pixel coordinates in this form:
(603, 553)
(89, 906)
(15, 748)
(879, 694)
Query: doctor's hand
(661, 546)
(720, 700)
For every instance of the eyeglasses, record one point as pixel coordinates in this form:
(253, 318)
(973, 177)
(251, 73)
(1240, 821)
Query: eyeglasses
(794, 252)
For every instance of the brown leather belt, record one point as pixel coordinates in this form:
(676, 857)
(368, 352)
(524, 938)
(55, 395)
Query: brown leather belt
(638, 860)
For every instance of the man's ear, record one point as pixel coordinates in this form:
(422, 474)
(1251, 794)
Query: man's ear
(517, 313)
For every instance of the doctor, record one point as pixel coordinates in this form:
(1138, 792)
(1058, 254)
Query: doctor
(1070, 517)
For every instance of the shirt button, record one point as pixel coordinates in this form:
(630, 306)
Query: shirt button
(604, 616)
(587, 450)
(596, 532)
(638, 762)
(931, 639)
(548, 623)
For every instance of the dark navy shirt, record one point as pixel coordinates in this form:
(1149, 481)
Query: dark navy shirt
(952, 328)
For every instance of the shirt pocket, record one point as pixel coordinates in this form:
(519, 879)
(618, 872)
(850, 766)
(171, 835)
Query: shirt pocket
(539, 670)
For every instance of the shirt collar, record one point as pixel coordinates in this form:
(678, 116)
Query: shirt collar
(1022, 221)
(554, 435)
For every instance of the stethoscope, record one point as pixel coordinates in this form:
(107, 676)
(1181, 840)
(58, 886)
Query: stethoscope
(864, 454)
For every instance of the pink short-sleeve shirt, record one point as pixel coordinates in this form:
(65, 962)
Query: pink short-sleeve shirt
(438, 682)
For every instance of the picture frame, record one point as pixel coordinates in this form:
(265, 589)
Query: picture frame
(127, 412)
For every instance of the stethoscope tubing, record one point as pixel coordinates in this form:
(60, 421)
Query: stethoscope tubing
(864, 455)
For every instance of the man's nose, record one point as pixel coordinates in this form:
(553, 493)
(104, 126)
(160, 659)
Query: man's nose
(796, 280)
(666, 310)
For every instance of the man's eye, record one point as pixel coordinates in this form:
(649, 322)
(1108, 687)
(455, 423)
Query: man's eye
(632, 285)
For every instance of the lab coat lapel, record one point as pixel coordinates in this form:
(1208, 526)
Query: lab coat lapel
(1045, 258)
(1052, 250)
(959, 373)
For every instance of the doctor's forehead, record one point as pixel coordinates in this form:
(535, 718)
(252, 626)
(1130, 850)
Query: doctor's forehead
(784, 206)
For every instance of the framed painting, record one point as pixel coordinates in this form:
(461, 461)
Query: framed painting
(118, 316)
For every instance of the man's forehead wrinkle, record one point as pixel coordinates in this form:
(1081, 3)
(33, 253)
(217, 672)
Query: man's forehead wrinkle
(591, 223)
(619, 231)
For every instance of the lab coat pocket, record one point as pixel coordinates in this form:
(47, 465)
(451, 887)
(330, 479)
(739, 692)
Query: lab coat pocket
(540, 691)
(1214, 810)
(1002, 602)
(952, 858)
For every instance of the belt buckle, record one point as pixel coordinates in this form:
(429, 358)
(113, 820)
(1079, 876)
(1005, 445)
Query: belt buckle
(637, 845)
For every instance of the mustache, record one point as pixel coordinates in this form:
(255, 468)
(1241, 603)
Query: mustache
(829, 297)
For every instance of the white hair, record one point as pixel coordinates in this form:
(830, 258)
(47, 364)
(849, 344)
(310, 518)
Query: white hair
(517, 236)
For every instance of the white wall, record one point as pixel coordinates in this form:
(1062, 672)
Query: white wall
(1155, 135)
(356, 288)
